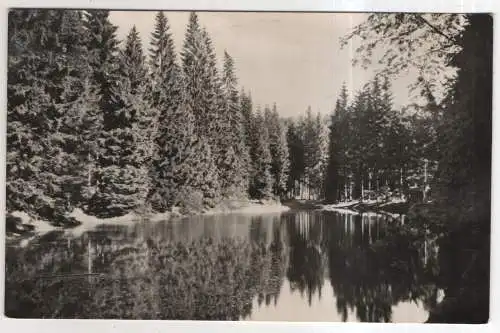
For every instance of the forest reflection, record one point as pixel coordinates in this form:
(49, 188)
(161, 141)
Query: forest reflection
(231, 267)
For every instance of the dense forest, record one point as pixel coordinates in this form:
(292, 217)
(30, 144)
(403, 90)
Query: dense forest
(459, 214)
(98, 124)
(111, 127)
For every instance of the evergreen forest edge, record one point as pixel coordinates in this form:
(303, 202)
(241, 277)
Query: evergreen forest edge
(96, 126)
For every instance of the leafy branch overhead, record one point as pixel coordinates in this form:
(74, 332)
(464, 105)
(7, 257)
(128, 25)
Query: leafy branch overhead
(397, 43)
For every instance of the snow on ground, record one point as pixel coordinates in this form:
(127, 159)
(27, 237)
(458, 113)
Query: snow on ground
(88, 222)
(157, 217)
(267, 208)
(393, 201)
(369, 202)
(341, 204)
(40, 227)
(250, 207)
(392, 215)
(341, 210)
(83, 218)
(343, 207)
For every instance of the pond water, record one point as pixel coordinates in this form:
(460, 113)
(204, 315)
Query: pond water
(296, 266)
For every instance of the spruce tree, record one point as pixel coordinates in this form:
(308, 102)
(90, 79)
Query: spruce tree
(295, 147)
(165, 96)
(103, 44)
(26, 99)
(322, 130)
(221, 132)
(237, 172)
(166, 77)
(77, 136)
(203, 96)
(143, 115)
(373, 117)
(356, 149)
(48, 80)
(200, 81)
(166, 73)
(335, 174)
(79, 118)
(247, 118)
(26, 109)
(281, 183)
(261, 180)
(246, 107)
(187, 170)
(278, 149)
(397, 139)
(120, 77)
(313, 155)
(104, 74)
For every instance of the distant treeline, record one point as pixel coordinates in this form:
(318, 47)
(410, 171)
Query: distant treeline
(373, 147)
(364, 147)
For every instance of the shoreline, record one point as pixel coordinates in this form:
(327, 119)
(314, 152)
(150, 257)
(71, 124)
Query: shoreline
(34, 228)
(392, 207)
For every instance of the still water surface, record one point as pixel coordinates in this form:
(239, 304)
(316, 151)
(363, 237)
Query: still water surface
(297, 266)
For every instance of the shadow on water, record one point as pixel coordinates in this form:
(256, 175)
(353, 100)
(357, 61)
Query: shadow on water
(234, 267)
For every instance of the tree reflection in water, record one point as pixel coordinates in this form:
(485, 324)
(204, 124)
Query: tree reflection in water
(221, 268)
(371, 271)
(306, 270)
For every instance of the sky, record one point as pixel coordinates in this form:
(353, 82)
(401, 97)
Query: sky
(291, 59)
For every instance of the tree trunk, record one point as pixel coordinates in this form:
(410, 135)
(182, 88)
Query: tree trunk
(357, 184)
(89, 175)
(362, 188)
(369, 182)
(345, 191)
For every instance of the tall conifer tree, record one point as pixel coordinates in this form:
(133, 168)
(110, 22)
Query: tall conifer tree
(247, 118)
(63, 110)
(261, 182)
(236, 174)
(120, 78)
(336, 176)
(28, 120)
(165, 96)
(278, 149)
(198, 68)
(203, 96)
(295, 146)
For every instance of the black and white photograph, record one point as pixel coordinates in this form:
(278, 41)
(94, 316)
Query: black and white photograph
(248, 166)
